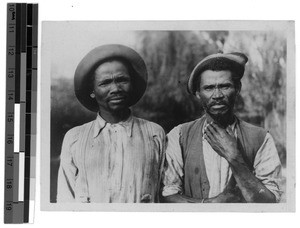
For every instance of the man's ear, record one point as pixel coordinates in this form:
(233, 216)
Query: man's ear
(238, 88)
(92, 95)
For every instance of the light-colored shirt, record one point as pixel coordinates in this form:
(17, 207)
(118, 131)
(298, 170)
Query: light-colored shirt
(267, 166)
(119, 163)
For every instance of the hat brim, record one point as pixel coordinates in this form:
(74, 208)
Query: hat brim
(97, 56)
(202, 66)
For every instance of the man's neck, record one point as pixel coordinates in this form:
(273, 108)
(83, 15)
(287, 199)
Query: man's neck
(222, 121)
(115, 117)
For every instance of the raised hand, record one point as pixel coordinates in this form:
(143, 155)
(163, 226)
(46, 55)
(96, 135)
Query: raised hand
(222, 141)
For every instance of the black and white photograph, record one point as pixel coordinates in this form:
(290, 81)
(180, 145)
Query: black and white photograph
(185, 115)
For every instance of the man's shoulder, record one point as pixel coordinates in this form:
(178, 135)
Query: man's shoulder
(252, 127)
(185, 128)
(73, 133)
(193, 122)
(156, 128)
(251, 132)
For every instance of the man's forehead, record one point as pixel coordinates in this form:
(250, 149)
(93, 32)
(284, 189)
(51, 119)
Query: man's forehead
(210, 76)
(111, 69)
(111, 65)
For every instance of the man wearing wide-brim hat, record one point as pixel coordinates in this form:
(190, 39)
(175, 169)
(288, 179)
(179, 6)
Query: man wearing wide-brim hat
(117, 157)
(219, 158)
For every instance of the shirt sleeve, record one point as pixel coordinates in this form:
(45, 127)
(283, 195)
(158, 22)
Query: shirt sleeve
(160, 140)
(173, 168)
(67, 172)
(267, 166)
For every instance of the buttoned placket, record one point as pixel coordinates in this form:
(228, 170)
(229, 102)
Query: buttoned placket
(117, 136)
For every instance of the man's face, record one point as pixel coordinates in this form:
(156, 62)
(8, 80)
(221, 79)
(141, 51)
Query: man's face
(217, 93)
(112, 86)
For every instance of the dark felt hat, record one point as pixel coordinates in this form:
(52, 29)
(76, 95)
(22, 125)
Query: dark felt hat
(97, 56)
(235, 62)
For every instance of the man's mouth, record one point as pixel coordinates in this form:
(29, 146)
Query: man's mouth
(117, 99)
(218, 106)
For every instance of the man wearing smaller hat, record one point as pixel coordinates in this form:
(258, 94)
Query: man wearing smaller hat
(117, 157)
(219, 158)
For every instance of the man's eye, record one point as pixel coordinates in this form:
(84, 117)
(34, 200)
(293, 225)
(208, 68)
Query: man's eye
(225, 86)
(209, 88)
(123, 80)
(104, 83)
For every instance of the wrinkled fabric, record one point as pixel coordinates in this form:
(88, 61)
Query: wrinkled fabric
(113, 163)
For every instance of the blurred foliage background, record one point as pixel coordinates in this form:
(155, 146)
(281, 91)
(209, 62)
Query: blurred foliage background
(170, 57)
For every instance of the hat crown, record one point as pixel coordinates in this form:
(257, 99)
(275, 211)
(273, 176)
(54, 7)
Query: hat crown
(99, 55)
(238, 57)
(235, 60)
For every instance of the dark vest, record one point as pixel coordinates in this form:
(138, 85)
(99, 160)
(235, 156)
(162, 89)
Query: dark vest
(196, 184)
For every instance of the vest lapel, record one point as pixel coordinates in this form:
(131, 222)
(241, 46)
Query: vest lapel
(196, 181)
(241, 143)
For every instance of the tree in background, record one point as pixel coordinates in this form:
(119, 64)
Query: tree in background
(170, 57)
(264, 83)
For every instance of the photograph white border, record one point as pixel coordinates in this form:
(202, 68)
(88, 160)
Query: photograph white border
(286, 26)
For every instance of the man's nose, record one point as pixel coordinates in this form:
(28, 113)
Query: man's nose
(217, 94)
(115, 87)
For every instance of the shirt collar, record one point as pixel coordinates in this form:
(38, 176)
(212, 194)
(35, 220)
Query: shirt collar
(100, 124)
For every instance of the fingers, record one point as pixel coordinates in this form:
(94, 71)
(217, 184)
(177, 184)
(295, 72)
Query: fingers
(230, 131)
(212, 127)
(209, 129)
(215, 130)
(210, 132)
(218, 131)
(208, 135)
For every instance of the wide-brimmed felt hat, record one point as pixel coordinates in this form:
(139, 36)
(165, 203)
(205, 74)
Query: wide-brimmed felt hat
(234, 61)
(97, 56)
